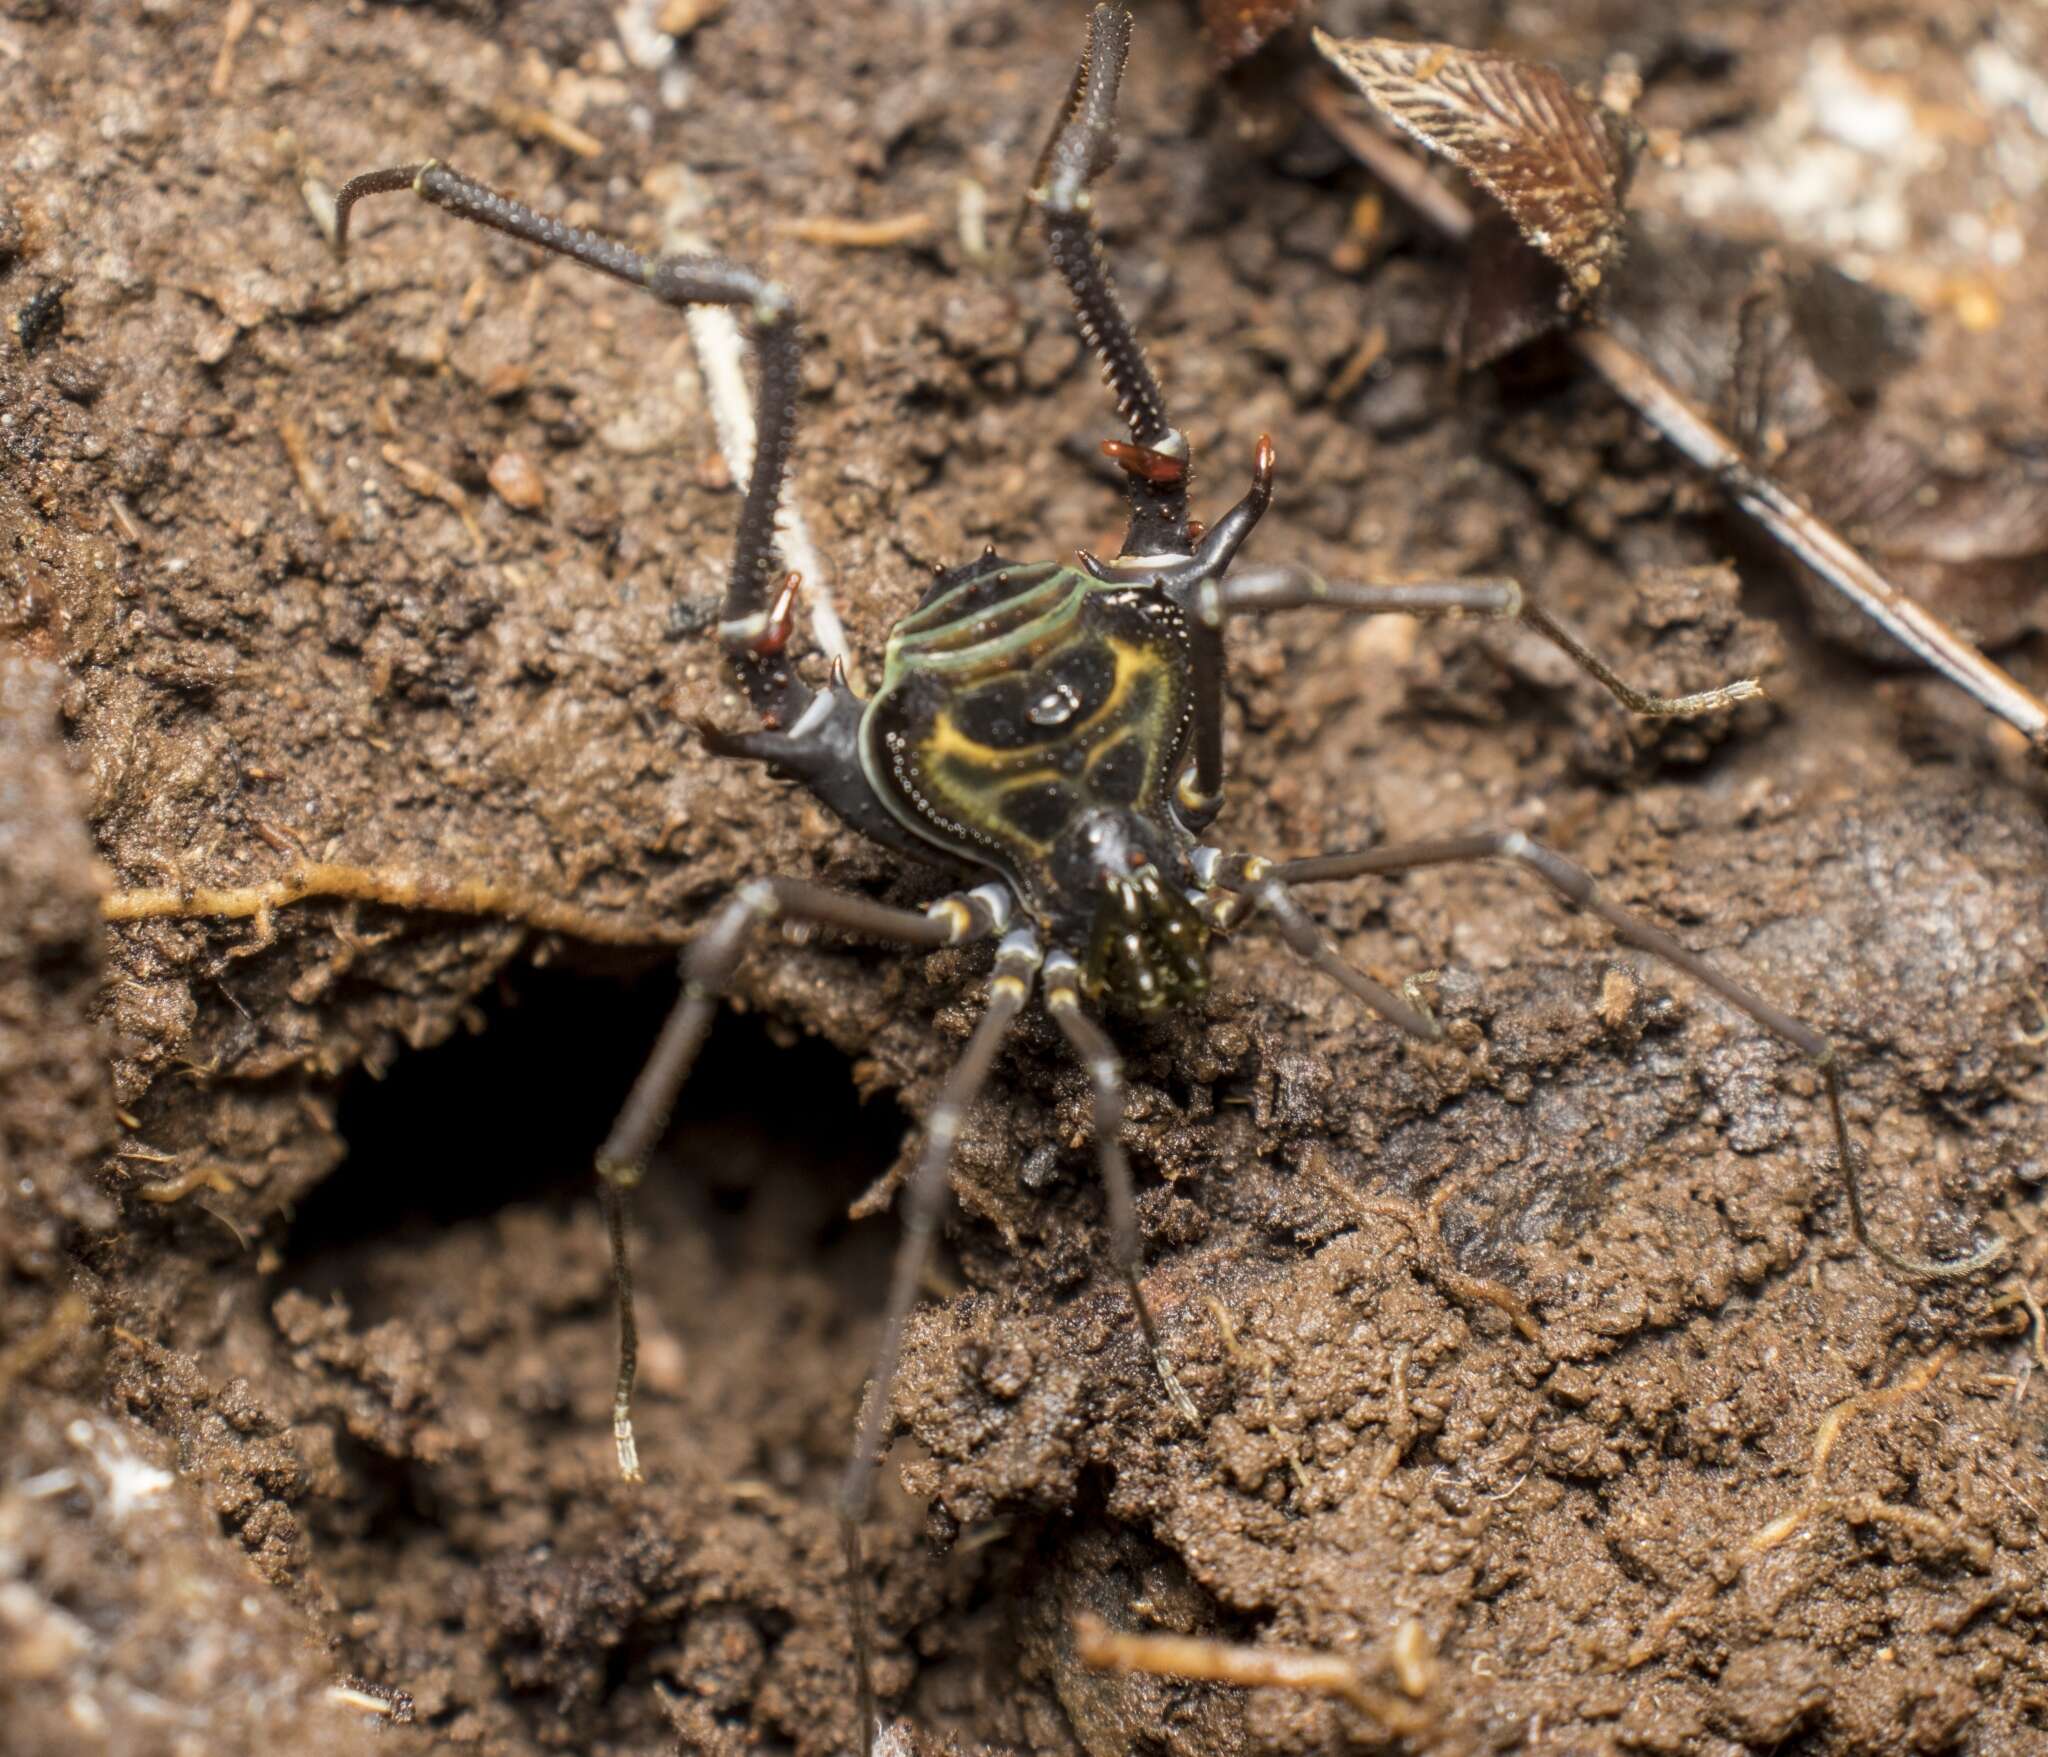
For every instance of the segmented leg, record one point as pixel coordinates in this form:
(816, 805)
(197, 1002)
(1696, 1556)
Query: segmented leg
(1252, 883)
(923, 1201)
(1156, 462)
(1577, 886)
(1211, 600)
(708, 968)
(1297, 588)
(1097, 1056)
(759, 593)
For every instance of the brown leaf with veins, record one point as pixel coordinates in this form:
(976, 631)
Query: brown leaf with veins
(1557, 162)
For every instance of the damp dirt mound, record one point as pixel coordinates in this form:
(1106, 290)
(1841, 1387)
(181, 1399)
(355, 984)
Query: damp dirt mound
(1550, 1347)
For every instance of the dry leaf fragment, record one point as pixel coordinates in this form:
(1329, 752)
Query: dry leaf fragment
(1559, 163)
(1655, 391)
(1511, 295)
(1237, 28)
(1797, 357)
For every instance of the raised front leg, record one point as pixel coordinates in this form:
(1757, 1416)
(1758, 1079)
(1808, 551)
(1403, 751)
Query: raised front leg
(1156, 462)
(760, 596)
(1211, 600)
(1260, 589)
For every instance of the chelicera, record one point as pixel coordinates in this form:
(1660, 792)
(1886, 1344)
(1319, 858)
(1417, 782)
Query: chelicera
(1049, 735)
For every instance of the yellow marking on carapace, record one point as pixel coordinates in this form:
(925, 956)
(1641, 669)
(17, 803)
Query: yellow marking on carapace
(991, 772)
(947, 740)
(1117, 739)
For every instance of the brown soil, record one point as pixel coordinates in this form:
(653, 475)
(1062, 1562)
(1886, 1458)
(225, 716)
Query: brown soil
(339, 1412)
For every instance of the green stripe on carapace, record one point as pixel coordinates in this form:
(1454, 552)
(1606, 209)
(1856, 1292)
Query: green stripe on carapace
(991, 604)
(1020, 698)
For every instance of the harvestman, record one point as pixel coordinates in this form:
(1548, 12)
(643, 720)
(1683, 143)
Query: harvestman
(1050, 735)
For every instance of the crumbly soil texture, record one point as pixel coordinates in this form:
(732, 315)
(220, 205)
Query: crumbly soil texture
(1540, 1377)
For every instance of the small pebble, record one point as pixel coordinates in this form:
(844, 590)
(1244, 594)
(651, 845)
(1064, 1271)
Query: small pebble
(516, 482)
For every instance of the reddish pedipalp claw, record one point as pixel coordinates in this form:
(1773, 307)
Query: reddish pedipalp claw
(766, 632)
(1159, 467)
(781, 619)
(1264, 457)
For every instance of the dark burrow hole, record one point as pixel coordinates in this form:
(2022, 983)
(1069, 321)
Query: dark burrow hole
(513, 1114)
(749, 1190)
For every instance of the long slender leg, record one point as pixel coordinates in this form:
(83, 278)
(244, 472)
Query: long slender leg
(708, 967)
(1156, 463)
(1576, 885)
(1097, 1055)
(759, 597)
(1296, 588)
(924, 1199)
(1240, 883)
(1210, 600)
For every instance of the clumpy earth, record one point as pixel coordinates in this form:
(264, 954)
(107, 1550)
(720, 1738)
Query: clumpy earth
(1548, 1351)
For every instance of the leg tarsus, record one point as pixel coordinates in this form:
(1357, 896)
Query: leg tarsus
(1099, 1060)
(924, 1200)
(1851, 1158)
(1297, 588)
(613, 1182)
(861, 1613)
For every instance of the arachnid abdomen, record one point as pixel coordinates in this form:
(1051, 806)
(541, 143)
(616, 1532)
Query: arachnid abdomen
(1021, 701)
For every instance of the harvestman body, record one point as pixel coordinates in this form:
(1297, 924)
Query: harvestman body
(1052, 735)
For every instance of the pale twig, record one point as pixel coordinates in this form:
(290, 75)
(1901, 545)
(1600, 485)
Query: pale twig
(176, 1189)
(1202, 1660)
(430, 484)
(395, 888)
(386, 1700)
(1824, 550)
(241, 14)
(721, 350)
(530, 122)
(842, 234)
(1400, 1421)
(293, 437)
